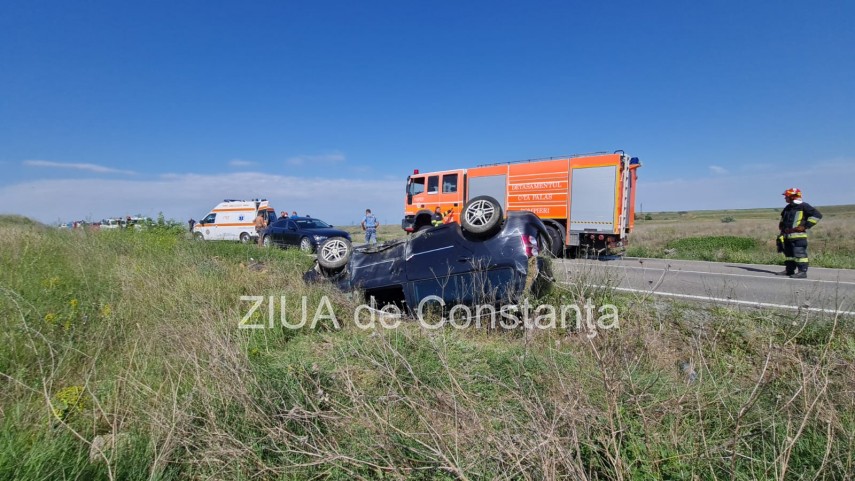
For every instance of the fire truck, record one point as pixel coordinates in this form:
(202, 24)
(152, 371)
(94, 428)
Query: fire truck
(586, 201)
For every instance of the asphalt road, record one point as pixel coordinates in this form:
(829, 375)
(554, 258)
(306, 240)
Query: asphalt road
(826, 290)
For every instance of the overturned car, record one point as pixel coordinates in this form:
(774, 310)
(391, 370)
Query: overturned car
(487, 258)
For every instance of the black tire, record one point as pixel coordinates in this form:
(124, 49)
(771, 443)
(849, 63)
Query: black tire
(244, 238)
(334, 253)
(266, 241)
(198, 236)
(306, 245)
(557, 244)
(481, 216)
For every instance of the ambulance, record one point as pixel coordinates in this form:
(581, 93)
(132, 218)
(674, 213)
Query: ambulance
(233, 219)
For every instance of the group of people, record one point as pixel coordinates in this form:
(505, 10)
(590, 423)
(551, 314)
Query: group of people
(261, 222)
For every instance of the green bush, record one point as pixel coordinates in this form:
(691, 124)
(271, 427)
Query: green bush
(728, 219)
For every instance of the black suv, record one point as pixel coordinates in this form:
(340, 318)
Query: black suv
(486, 259)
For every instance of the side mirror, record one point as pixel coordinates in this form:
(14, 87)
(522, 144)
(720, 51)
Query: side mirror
(409, 199)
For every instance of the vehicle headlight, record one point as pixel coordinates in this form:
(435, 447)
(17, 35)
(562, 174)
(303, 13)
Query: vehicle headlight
(319, 238)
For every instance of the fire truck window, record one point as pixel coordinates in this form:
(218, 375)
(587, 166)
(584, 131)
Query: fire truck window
(433, 184)
(417, 186)
(449, 183)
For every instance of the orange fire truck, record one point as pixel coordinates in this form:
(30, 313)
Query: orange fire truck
(585, 201)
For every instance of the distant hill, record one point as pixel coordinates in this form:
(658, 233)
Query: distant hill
(18, 220)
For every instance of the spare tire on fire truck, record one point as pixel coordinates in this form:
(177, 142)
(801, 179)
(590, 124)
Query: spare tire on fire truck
(481, 216)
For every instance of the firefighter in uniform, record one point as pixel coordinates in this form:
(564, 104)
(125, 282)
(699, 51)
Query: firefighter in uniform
(796, 218)
(440, 218)
(437, 217)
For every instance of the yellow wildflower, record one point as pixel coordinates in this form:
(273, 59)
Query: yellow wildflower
(73, 303)
(68, 400)
(50, 318)
(106, 310)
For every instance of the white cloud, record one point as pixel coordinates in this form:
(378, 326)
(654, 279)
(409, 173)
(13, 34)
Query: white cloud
(718, 170)
(182, 196)
(98, 169)
(241, 163)
(329, 158)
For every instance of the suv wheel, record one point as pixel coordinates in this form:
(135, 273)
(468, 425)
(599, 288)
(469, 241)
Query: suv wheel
(306, 245)
(334, 253)
(482, 216)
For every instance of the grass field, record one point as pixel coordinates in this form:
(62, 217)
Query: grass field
(122, 359)
(741, 236)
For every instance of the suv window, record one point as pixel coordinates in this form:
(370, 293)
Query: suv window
(209, 219)
(449, 183)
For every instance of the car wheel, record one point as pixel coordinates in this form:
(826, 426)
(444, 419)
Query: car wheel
(334, 253)
(481, 216)
(306, 245)
(266, 241)
(556, 244)
(244, 238)
(198, 236)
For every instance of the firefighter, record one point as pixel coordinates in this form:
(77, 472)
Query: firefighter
(796, 218)
(437, 217)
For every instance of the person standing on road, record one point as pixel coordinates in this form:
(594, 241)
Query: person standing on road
(796, 218)
(370, 225)
(191, 223)
(260, 225)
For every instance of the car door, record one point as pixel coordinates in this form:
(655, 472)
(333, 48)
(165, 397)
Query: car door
(435, 258)
(290, 234)
(276, 231)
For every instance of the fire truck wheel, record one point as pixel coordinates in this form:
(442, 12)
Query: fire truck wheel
(334, 253)
(481, 216)
(557, 245)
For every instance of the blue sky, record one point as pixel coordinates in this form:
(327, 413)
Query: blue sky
(114, 108)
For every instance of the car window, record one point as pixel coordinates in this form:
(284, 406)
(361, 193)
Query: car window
(449, 183)
(311, 224)
(474, 286)
(281, 223)
(433, 184)
(209, 219)
(417, 185)
(292, 225)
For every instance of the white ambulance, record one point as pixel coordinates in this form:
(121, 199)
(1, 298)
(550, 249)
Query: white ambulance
(233, 220)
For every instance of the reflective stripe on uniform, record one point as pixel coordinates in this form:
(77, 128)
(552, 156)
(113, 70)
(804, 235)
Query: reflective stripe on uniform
(797, 235)
(798, 220)
(801, 260)
(813, 220)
